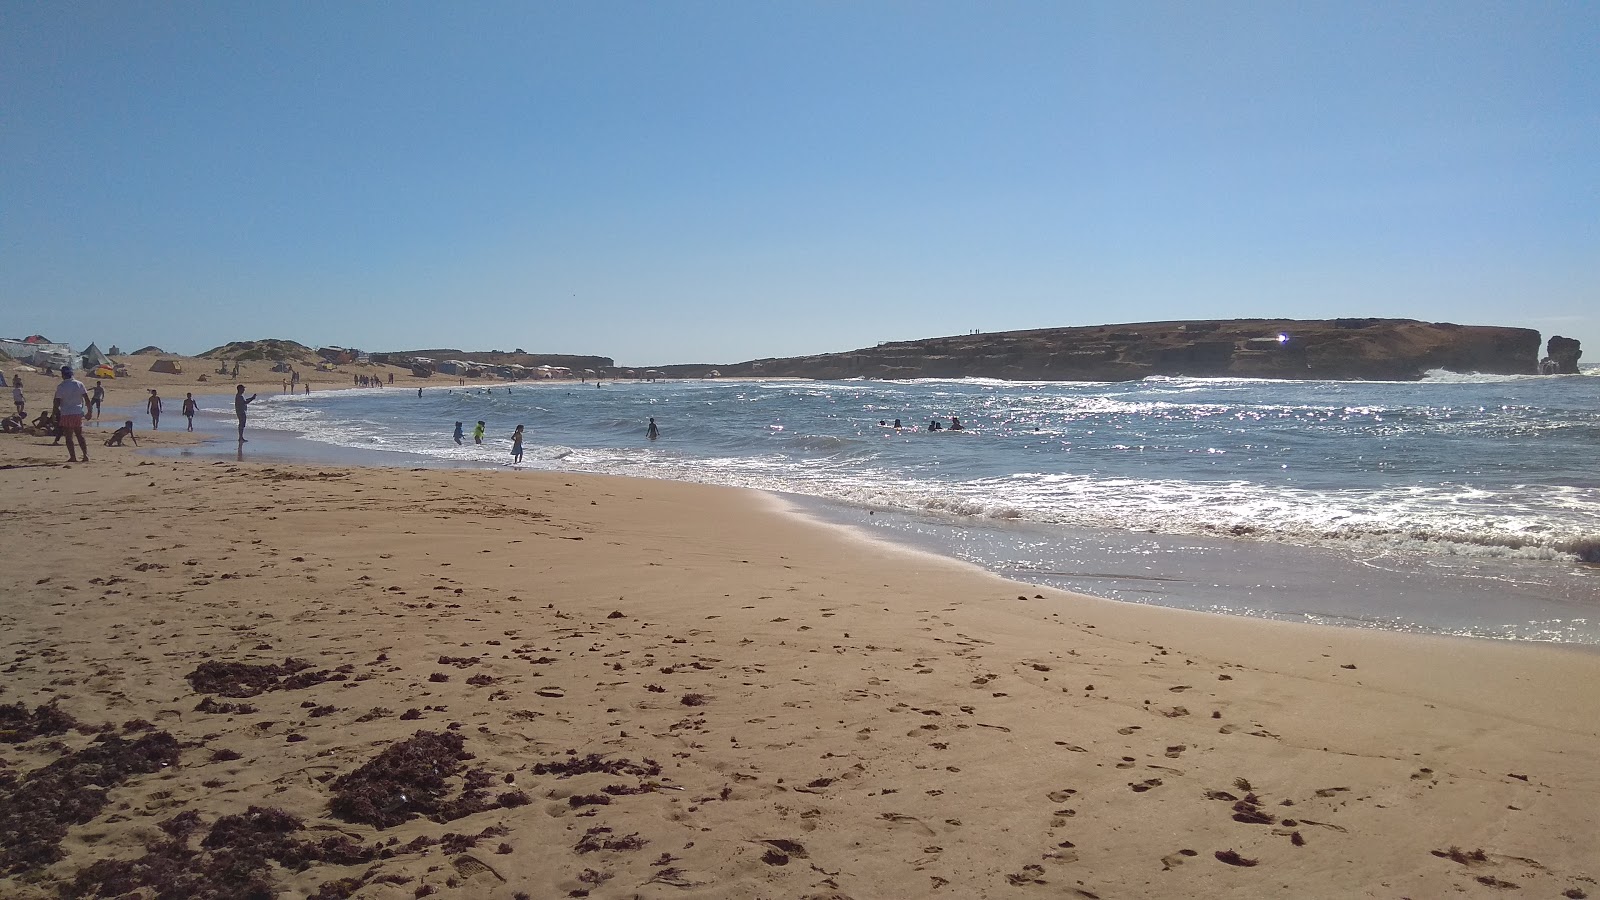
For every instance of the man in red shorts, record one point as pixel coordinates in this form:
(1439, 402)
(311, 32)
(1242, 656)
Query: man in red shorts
(71, 404)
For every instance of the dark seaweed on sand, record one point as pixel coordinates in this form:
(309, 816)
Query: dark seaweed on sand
(405, 780)
(18, 725)
(239, 680)
(36, 813)
(234, 860)
(594, 762)
(411, 778)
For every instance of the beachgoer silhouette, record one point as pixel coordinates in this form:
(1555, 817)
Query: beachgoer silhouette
(153, 406)
(98, 397)
(126, 431)
(516, 445)
(189, 409)
(458, 435)
(652, 432)
(955, 424)
(240, 406)
(71, 404)
(897, 423)
(477, 433)
(16, 396)
(933, 425)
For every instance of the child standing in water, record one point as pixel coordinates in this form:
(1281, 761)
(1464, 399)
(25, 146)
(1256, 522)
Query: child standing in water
(516, 445)
(189, 409)
(459, 434)
(477, 433)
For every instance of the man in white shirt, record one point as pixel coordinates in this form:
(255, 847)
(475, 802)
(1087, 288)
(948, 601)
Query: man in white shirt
(71, 404)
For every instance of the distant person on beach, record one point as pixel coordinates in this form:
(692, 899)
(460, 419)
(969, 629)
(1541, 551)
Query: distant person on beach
(241, 405)
(477, 433)
(516, 445)
(71, 405)
(652, 432)
(308, 387)
(391, 378)
(16, 396)
(152, 405)
(189, 409)
(126, 431)
(97, 397)
(459, 436)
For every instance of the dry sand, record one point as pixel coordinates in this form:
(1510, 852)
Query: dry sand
(669, 690)
(130, 391)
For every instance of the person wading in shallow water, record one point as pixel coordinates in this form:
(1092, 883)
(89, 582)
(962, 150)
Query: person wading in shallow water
(241, 403)
(652, 432)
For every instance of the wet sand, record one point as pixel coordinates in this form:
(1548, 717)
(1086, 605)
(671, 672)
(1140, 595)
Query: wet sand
(502, 684)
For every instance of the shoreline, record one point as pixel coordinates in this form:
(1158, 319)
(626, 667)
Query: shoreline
(818, 695)
(1489, 600)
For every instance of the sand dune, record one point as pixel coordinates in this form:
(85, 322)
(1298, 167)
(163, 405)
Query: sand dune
(473, 684)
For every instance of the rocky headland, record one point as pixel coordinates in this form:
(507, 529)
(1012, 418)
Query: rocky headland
(1341, 349)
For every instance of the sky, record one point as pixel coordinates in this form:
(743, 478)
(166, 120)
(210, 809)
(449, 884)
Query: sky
(706, 181)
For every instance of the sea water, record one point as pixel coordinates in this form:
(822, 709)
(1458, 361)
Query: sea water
(1460, 504)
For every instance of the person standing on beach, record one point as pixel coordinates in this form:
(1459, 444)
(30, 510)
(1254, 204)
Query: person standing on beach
(516, 445)
(459, 435)
(153, 406)
(189, 409)
(652, 432)
(97, 397)
(477, 433)
(241, 404)
(70, 405)
(17, 398)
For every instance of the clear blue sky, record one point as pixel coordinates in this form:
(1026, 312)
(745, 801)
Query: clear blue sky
(718, 181)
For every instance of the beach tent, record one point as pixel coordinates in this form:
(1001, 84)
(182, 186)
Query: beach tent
(283, 366)
(103, 372)
(169, 366)
(93, 358)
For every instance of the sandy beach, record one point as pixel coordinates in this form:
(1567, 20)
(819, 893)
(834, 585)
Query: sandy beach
(256, 679)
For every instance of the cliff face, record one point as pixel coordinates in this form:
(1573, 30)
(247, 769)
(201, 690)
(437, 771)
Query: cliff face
(1341, 349)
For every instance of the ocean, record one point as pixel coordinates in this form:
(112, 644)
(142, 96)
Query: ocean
(1461, 504)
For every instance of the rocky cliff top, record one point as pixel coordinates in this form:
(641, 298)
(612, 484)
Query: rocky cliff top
(1339, 349)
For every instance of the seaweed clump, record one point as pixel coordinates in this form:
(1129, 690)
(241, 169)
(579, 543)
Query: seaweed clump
(18, 725)
(594, 762)
(36, 813)
(410, 778)
(233, 862)
(240, 680)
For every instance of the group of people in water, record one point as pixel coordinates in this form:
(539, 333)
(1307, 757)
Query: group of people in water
(933, 424)
(652, 431)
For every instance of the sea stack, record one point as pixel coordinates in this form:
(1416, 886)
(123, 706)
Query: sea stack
(1561, 356)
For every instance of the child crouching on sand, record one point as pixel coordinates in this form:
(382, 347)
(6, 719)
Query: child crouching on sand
(126, 431)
